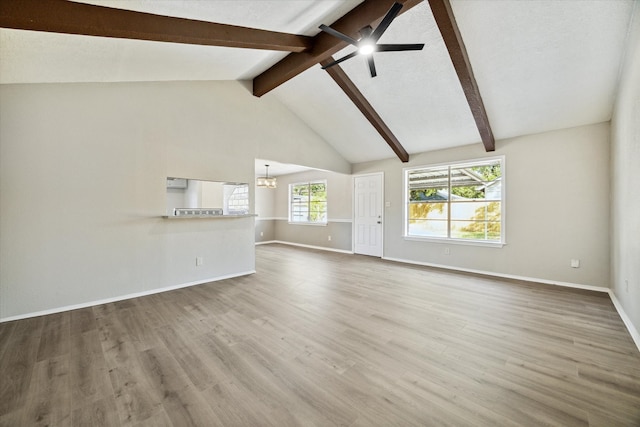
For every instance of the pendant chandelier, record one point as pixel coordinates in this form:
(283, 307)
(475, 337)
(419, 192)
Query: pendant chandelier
(266, 181)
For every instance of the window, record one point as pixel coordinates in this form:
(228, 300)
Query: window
(238, 201)
(461, 201)
(308, 202)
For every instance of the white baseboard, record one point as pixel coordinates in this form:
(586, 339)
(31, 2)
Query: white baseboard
(266, 242)
(122, 297)
(505, 276)
(626, 319)
(322, 248)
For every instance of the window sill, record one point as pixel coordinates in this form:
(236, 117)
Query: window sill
(315, 224)
(481, 243)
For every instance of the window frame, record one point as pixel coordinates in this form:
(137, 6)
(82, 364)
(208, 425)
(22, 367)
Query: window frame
(453, 240)
(309, 184)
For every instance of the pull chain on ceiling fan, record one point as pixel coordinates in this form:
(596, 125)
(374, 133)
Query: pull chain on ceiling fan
(368, 42)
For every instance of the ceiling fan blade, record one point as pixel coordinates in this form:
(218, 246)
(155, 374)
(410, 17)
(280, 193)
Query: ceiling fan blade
(344, 58)
(398, 47)
(372, 66)
(338, 34)
(390, 16)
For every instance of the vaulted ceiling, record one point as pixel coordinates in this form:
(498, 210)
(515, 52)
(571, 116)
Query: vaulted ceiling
(538, 66)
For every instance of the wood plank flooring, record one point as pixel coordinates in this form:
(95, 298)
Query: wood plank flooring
(326, 339)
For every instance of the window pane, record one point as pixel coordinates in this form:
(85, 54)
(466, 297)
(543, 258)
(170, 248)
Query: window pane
(318, 191)
(485, 171)
(428, 219)
(483, 190)
(299, 211)
(300, 191)
(429, 194)
(318, 212)
(467, 192)
(461, 177)
(489, 171)
(493, 190)
(475, 230)
(479, 181)
(428, 211)
(475, 211)
(429, 184)
(427, 228)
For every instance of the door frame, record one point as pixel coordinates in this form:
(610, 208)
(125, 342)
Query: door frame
(353, 210)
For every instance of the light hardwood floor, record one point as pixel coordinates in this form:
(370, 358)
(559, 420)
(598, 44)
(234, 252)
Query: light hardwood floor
(322, 339)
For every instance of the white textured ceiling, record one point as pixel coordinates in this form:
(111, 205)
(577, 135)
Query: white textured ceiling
(540, 65)
(544, 65)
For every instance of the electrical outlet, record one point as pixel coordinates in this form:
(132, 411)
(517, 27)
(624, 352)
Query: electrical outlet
(575, 263)
(329, 238)
(447, 251)
(262, 234)
(199, 261)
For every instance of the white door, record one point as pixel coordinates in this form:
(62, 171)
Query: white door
(368, 200)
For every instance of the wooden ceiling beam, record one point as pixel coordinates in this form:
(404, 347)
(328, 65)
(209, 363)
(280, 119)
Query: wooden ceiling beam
(62, 16)
(350, 89)
(369, 12)
(446, 22)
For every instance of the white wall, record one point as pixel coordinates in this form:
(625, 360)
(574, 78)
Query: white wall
(265, 203)
(557, 191)
(625, 186)
(83, 172)
(265, 211)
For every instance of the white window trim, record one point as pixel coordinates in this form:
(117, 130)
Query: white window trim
(449, 240)
(316, 224)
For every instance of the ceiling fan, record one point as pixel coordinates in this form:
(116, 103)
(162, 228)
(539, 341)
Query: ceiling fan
(368, 42)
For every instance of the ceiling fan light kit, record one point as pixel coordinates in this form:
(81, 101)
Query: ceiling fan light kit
(366, 49)
(368, 42)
